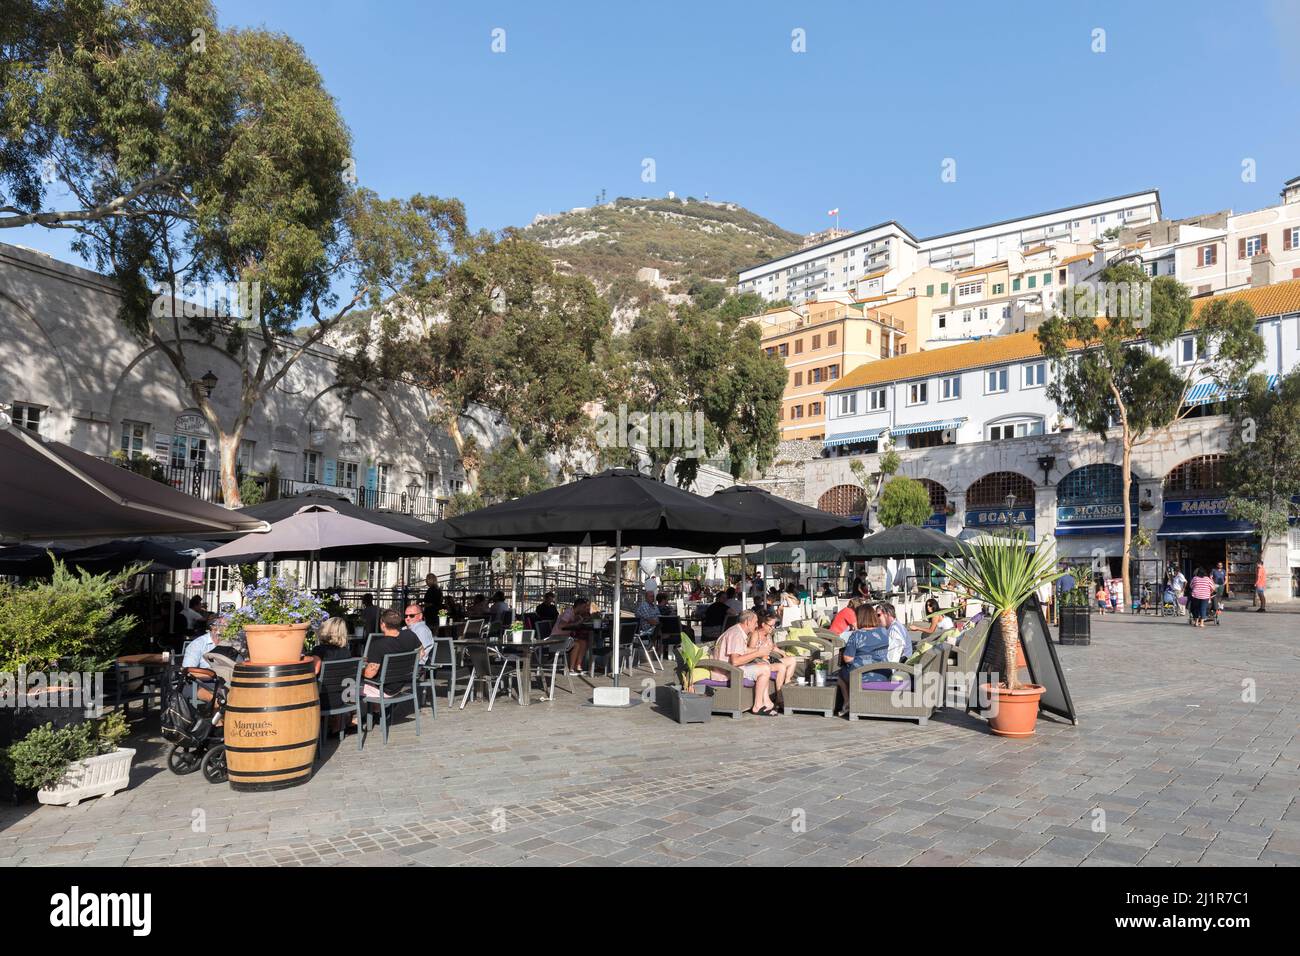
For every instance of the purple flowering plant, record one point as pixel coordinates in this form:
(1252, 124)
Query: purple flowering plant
(277, 601)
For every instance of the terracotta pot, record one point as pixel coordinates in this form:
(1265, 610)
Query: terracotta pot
(275, 643)
(1015, 711)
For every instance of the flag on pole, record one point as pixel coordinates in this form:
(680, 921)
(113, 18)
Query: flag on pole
(833, 212)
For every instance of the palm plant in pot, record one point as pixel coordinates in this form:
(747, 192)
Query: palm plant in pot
(275, 617)
(1003, 574)
(688, 706)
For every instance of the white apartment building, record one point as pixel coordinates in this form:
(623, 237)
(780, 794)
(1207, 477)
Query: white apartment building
(974, 423)
(1223, 251)
(873, 261)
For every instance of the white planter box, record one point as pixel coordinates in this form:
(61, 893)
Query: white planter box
(93, 777)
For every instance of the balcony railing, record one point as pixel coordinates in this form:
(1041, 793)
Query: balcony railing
(205, 483)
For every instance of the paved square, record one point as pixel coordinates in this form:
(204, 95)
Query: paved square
(1186, 743)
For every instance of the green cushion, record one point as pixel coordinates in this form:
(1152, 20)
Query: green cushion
(918, 650)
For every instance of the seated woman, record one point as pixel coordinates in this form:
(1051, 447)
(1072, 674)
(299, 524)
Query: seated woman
(332, 645)
(847, 618)
(937, 621)
(783, 664)
(880, 637)
(790, 596)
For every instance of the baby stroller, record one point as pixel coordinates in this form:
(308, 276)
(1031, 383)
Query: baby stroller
(190, 722)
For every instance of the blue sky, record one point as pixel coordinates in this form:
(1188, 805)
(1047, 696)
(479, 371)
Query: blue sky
(863, 120)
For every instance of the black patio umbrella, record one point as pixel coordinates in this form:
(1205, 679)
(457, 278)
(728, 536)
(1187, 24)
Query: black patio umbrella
(617, 508)
(53, 491)
(156, 555)
(27, 560)
(907, 540)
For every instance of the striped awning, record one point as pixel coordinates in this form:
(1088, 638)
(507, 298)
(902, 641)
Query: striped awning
(852, 438)
(1203, 393)
(916, 427)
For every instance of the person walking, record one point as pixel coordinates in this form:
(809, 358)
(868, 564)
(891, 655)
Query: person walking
(1202, 591)
(1261, 579)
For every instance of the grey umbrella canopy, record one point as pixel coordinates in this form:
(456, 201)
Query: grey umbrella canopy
(907, 540)
(432, 534)
(52, 491)
(308, 533)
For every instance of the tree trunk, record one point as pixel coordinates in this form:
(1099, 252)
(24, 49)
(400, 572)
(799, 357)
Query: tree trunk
(1126, 475)
(458, 438)
(1009, 622)
(228, 457)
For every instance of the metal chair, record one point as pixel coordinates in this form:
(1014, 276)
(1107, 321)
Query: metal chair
(509, 657)
(340, 693)
(554, 650)
(483, 669)
(441, 655)
(404, 663)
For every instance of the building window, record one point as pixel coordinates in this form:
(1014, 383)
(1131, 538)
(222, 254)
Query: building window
(245, 460)
(135, 438)
(1060, 276)
(943, 320)
(834, 372)
(311, 466)
(965, 316)
(347, 473)
(1291, 238)
(902, 348)
(1015, 285)
(798, 379)
(28, 416)
(815, 408)
(816, 342)
(929, 290)
(1047, 278)
(998, 288)
(189, 451)
(969, 289)
(992, 490)
(798, 346)
(943, 288)
(918, 393)
(843, 500)
(849, 403)
(949, 388)
(1252, 246)
(815, 376)
(1006, 311)
(995, 381)
(1191, 349)
(984, 315)
(784, 349)
(1033, 281)
(381, 478)
(1035, 374)
(796, 411)
(832, 337)
(1195, 476)
(1018, 428)
(877, 399)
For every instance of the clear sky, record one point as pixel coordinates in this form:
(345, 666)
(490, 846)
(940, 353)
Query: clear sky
(863, 120)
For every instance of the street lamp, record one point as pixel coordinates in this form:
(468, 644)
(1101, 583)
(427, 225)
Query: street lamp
(1047, 463)
(1011, 505)
(207, 383)
(413, 492)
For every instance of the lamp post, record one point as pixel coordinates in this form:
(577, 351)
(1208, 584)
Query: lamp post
(1011, 506)
(413, 492)
(1047, 463)
(206, 384)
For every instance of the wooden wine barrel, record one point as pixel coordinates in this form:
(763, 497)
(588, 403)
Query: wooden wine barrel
(272, 719)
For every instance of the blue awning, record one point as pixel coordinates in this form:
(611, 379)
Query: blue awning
(852, 438)
(1102, 527)
(925, 426)
(1203, 393)
(1206, 527)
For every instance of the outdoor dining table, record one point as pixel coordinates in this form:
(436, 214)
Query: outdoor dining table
(524, 649)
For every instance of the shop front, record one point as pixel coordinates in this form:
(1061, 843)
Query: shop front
(998, 522)
(1198, 533)
(1090, 516)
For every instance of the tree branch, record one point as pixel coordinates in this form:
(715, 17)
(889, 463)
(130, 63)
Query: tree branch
(117, 207)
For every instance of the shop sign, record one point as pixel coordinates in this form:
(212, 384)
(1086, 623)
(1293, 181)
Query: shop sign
(191, 424)
(1104, 510)
(985, 519)
(1193, 507)
(937, 522)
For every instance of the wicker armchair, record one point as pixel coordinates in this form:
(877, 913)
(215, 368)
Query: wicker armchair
(964, 660)
(912, 697)
(733, 697)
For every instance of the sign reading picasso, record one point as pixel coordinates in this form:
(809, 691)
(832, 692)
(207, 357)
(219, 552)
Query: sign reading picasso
(1188, 507)
(1002, 516)
(1091, 512)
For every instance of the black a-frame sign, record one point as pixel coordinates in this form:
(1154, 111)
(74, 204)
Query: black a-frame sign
(1040, 655)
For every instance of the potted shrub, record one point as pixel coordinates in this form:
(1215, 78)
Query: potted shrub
(1003, 574)
(1075, 620)
(275, 618)
(66, 765)
(682, 703)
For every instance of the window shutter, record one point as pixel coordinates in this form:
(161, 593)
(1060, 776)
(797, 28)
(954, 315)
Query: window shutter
(1241, 248)
(1263, 243)
(1286, 239)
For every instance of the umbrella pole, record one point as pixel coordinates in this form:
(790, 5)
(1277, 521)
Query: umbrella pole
(742, 569)
(618, 597)
(514, 582)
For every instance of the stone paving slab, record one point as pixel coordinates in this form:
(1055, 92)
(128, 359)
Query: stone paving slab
(1185, 754)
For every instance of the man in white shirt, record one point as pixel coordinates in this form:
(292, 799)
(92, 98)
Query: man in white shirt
(195, 614)
(415, 624)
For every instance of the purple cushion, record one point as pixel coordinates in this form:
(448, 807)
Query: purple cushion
(883, 684)
(712, 682)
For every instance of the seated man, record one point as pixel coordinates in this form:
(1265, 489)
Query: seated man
(888, 641)
(647, 615)
(196, 615)
(715, 616)
(733, 647)
(500, 612)
(547, 611)
(478, 608)
(416, 624)
(394, 639)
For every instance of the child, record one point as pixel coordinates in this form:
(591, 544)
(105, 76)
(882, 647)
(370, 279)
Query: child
(1103, 599)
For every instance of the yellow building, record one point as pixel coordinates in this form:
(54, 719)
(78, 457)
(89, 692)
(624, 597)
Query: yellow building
(819, 343)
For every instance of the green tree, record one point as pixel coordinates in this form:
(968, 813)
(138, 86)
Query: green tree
(1263, 464)
(511, 472)
(1108, 344)
(673, 366)
(904, 501)
(872, 482)
(196, 158)
(503, 330)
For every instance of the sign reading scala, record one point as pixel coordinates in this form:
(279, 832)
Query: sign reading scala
(76, 909)
(985, 519)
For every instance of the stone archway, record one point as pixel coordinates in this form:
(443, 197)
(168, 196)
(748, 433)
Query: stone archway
(847, 501)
